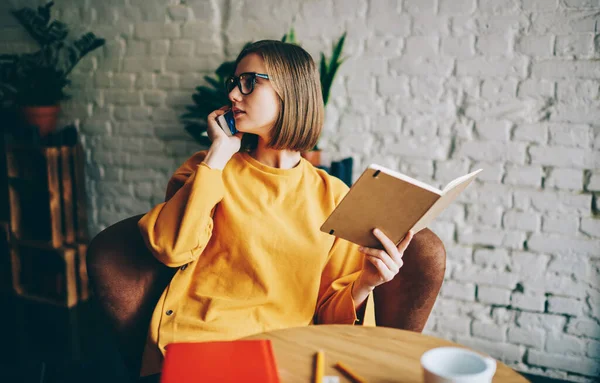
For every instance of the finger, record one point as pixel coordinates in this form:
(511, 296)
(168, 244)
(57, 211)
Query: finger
(388, 244)
(384, 257)
(403, 245)
(384, 273)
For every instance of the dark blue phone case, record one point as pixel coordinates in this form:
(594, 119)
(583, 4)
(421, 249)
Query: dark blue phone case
(230, 122)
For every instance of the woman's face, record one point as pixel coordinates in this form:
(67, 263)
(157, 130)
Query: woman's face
(258, 111)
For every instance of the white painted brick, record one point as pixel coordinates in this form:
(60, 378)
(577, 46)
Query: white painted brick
(503, 351)
(564, 21)
(527, 337)
(159, 47)
(537, 133)
(493, 130)
(493, 295)
(145, 81)
(572, 364)
(556, 284)
(577, 114)
(527, 221)
(167, 81)
(579, 45)
(487, 67)
(494, 258)
(136, 48)
(536, 88)
(421, 46)
(593, 349)
(395, 86)
(456, 7)
(182, 48)
(539, 5)
(569, 179)
(581, 4)
(499, 6)
(526, 263)
(489, 331)
(590, 226)
(571, 135)
(565, 344)
(549, 322)
(594, 183)
(123, 80)
(486, 277)
(387, 48)
(430, 88)
(423, 66)
(535, 45)
(524, 176)
(488, 216)
(417, 7)
(560, 156)
(459, 47)
(584, 327)
(528, 301)
(494, 44)
(152, 30)
(421, 147)
(560, 224)
(565, 69)
(492, 172)
(384, 18)
(426, 24)
(573, 90)
(176, 99)
(154, 97)
(121, 97)
(561, 305)
(460, 291)
(570, 265)
(554, 244)
(492, 151)
(180, 12)
(133, 129)
(495, 90)
(552, 201)
(139, 64)
(454, 324)
(488, 195)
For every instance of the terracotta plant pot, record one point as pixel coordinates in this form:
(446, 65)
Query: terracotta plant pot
(44, 117)
(313, 156)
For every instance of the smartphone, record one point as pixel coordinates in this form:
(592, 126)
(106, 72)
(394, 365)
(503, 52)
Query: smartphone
(227, 123)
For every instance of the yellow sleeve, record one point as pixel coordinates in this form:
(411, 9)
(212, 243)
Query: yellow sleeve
(176, 231)
(335, 304)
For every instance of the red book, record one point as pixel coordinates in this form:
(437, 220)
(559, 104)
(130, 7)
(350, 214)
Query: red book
(233, 361)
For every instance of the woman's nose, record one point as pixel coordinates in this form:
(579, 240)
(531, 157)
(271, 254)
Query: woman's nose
(235, 95)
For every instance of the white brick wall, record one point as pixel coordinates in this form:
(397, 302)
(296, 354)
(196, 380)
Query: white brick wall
(432, 88)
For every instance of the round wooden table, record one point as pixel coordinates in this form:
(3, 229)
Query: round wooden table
(378, 354)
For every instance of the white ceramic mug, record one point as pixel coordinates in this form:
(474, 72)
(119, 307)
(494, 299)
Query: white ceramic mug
(456, 365)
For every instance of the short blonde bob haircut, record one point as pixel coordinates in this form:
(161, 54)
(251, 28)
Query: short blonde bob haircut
(293, 74)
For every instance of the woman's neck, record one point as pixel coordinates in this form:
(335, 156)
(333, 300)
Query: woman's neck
(282, 159)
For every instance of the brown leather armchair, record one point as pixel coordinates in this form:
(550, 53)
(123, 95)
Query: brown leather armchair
(127, 282)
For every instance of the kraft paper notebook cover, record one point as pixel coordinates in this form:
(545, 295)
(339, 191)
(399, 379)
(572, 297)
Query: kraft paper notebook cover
(230, 361)
(391, 201)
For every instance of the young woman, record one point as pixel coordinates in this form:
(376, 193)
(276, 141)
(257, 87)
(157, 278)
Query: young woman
(241, 220)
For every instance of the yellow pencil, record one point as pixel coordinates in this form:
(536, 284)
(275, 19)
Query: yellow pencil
(319, 366)
(345, 369)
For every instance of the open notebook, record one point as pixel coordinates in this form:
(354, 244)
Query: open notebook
(391, 201)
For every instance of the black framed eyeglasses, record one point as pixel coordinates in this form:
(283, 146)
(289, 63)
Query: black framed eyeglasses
(245, 82)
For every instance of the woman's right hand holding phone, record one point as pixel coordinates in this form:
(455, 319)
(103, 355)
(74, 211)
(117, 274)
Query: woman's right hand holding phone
(223, 147)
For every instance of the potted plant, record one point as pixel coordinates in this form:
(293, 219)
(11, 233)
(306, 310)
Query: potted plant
(35, 82)
(211, 97)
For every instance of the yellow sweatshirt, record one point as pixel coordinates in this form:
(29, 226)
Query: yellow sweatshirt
(250, 254)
